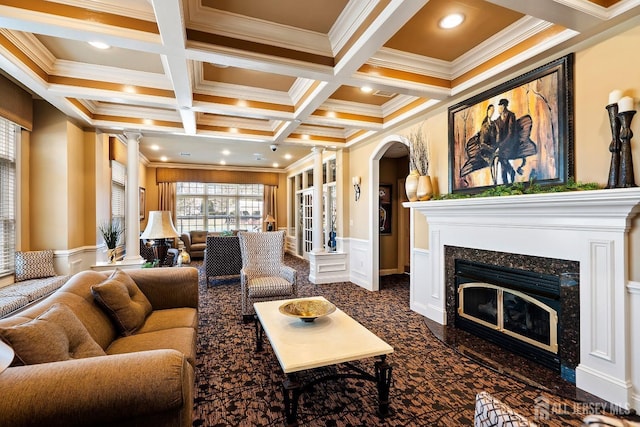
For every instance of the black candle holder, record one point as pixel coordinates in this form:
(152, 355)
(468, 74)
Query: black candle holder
(625, 171)
(614, 146)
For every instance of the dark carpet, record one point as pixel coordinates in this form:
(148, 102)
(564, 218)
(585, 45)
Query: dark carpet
(433, 385)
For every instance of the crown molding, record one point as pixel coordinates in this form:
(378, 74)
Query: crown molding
(267, 125)
(351, 18)
(255, 30)
(499, 43)
(143, 10)
(299, 89)
(233, 91)
(321, 130)
(110, 74)
(339, 105)
(410, 63)
(29, 44)
(137, 112)
(515, 60)
(409, 114)
(396, 103)
(596, 10)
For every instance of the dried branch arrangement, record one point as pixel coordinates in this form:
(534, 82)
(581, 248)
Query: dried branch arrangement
(419, 152)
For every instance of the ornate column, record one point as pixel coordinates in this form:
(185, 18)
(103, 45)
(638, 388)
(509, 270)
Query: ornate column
(132, 214)
(317, 200)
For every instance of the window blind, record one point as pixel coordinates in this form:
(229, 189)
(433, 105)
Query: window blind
(8, 135)
(118, 187)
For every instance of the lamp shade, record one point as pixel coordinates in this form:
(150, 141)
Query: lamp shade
(159, 226)
(6, 356)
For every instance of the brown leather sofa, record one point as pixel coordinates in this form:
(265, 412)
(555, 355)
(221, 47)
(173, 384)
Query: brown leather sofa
(195, 242)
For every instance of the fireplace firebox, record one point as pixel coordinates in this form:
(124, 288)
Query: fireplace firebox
(516, 309)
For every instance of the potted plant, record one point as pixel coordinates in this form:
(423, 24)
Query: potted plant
(111, 232)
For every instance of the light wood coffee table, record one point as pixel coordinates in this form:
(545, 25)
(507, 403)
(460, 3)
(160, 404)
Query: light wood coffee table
(329, 340)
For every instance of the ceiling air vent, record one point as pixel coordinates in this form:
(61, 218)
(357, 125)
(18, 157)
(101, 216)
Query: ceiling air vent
(384, 93)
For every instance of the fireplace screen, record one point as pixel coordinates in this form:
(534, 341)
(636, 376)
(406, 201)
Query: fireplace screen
(510, 312)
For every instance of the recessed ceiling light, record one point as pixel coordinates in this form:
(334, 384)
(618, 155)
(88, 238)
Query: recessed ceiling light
(99, 45)
(288, 156)
(164, 158)
(226, 152)
(451, 21)
(155, 147)
(222, 162)
(275, 165)
(366, 89)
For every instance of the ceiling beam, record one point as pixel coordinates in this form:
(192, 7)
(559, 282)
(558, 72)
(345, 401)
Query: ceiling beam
(170, 20)
(566, 13)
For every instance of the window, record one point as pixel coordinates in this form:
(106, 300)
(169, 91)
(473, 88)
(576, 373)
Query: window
(9, 133)
(218, 207)
(118, 187)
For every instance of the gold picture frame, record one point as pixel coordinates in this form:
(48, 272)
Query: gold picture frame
(142, 200)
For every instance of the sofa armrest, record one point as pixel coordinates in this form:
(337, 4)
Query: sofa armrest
(289, 274)
(103, 390)
(173, 287)
(186, 239)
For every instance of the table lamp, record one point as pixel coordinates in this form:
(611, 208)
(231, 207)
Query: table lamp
(270, 220)
(6, 356)
(159, 228)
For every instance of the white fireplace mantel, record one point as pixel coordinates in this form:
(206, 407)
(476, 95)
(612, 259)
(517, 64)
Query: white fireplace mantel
(591, 227)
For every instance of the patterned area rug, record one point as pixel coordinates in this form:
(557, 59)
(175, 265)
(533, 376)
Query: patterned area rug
(433, 385)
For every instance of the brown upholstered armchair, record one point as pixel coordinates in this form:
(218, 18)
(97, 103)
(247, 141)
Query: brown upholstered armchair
(264, 276)
(195, 242)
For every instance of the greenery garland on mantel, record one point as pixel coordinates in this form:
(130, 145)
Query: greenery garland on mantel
(519, 188)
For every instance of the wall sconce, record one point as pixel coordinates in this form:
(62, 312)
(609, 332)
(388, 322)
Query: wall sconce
(356, 186)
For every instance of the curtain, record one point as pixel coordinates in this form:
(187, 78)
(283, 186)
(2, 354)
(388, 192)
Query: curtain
(167, 198)
(270, 205)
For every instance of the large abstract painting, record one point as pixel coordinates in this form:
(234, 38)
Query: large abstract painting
(520, 131)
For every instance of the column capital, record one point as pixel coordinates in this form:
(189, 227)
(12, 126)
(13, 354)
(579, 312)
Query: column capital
(133, 135)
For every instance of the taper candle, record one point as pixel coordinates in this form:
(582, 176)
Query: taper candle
(625, 104)
(615, 96)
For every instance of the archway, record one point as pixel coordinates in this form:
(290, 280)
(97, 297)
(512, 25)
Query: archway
(374, 180)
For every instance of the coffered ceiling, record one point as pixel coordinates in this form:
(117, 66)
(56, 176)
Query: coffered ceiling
(211, 81)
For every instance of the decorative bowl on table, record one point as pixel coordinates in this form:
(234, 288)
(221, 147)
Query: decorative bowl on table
(307, 310)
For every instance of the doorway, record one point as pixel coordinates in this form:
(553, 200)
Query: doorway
(389, 166)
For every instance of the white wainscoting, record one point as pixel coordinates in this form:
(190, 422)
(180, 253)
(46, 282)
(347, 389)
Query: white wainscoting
(328, 267)
(420, 296)
(634, 308)
(72, 261)
(359, 251)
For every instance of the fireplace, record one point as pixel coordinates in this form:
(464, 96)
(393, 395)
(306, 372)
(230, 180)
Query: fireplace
(516, 309)
(549, 284)
(595, 229)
